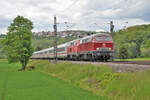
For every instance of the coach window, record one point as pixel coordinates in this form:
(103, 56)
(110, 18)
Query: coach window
(61, 49)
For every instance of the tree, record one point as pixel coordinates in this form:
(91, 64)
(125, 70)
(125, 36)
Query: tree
(17, 43)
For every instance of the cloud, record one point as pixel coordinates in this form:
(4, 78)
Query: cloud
(83, 13)
(111, 12)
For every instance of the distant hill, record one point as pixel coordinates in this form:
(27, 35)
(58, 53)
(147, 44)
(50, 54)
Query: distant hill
(46, 42)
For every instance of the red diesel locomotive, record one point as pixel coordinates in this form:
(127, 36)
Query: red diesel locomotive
(99, 46)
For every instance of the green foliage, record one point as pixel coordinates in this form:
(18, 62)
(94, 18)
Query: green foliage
(129, 86)
(2, 52)
(132, 51)
(147, 44)
(17, 43)
(136, 37)
(107, 79)
(145, 52)
(123, 51)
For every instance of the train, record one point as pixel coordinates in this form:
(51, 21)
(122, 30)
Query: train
(96, 47)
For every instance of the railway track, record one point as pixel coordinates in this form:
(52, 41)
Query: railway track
(120, 66)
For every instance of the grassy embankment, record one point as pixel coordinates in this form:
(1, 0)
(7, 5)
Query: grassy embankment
(100, 80)
(135, 59)
(32, 85)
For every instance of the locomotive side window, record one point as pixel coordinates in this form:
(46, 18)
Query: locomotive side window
(89, 39)
(51, 51)
(86, 40)
(99, 38)
(107, 38)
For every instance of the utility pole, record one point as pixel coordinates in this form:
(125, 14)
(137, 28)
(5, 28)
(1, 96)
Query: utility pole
(55, 40)
(111, 27)
(112, 33)
(67, 27)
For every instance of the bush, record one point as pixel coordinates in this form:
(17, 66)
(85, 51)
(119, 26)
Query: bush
(132, 50)
(123, 51)
(145, 52)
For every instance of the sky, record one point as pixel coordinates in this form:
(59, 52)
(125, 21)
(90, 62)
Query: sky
(79, 14)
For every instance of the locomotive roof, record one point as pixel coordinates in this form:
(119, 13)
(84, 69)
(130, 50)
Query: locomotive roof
(89, 36)
(59, 46)
(94, 35)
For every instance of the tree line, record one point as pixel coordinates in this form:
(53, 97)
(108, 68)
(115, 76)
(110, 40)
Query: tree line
(132, 42)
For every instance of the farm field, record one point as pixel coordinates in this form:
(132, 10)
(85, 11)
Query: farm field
(33, 85)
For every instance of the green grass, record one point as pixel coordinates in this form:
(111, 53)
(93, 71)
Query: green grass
(32, 85)
(101, 80)
(135, 59)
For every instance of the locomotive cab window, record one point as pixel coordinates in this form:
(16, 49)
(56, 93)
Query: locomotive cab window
(99, 38)
(107, 38)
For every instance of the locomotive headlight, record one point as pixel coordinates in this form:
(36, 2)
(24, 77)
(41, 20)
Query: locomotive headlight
(109, 48)
(97, 48)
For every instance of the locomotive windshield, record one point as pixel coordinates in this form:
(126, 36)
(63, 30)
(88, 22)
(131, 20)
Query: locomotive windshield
(103, 38)
(99, 38)
(107, 38)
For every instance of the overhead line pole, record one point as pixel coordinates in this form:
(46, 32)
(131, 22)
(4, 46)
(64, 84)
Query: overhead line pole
(55, 39)
(112, 33)
(111, 27)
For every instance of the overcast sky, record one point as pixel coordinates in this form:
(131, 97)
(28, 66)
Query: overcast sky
(80, 14)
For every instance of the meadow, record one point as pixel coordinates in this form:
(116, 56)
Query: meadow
(35, 85)
(100, 79)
